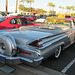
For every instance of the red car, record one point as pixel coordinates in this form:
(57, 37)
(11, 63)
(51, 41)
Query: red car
(31, 18)
(15, 22)
(70, 17)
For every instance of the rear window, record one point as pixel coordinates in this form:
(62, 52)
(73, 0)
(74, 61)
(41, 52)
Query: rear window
(2, 19)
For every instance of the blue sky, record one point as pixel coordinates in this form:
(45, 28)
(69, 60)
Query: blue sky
(37, 4)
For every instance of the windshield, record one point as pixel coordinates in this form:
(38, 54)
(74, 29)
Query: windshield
(52, 23)
(43, 17)
(2, 19)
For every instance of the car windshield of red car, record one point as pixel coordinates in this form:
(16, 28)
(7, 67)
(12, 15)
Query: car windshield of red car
(2, 19)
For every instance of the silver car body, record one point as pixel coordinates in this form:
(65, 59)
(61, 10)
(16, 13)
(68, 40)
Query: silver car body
(32, 45)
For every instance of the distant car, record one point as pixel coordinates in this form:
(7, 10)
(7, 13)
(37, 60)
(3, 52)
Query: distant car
(41, 19)
(32, 45)
(70, 17)
(13, 14)
(30, 17)
(15, 22)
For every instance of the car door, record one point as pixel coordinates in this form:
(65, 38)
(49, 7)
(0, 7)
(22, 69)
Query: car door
(72, 32)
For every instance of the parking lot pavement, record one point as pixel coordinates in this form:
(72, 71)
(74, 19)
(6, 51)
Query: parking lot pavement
(71, 70)
(40, 70)
(65, 63)
(23, 69)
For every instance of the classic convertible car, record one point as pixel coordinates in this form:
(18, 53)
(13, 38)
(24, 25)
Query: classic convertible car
(32, 45)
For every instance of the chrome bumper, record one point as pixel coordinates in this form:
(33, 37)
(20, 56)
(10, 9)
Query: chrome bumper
(17, 60)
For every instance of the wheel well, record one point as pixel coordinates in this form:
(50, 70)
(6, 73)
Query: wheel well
(62, 47)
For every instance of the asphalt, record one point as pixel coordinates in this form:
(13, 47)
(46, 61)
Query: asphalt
(71, 70)
(24, 69)
(67, 56)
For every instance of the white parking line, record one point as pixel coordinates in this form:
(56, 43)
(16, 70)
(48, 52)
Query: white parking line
(68, 66)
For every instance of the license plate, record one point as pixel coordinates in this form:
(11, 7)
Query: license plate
(2, 59)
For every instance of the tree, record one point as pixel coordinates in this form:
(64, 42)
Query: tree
(53, 5)
(72, 7)
(30, 1)
(41, 11)
(68, 9)
(23, 4)
(6, 7)
(50, 5)
(25, 8)
(63, 9)
(60, 8)
(16, 6)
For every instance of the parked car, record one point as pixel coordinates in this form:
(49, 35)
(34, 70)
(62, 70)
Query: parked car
(41, 19)
(55, 16)
(32, 45)
(12, 14)
(30, 17)
(15, 22)
(70, 17)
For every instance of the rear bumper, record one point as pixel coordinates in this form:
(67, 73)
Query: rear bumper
(18, 60)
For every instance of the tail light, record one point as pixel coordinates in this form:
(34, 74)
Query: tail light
(35, 43)
(24, 52)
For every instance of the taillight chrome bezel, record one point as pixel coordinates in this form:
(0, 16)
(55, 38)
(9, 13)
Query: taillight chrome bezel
(35, 43)
(27, 51)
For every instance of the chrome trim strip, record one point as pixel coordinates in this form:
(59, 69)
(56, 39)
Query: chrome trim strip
(25, 59)
(51, 42)
(38, 59)
(10, 58)
(50, 39)
(15, 58)
(21, 58)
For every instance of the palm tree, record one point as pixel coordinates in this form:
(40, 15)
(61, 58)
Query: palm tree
(6, 7)
(68, 9)
(30, 1)
(53, 5)
(60, 8)
(72, 7)
(50, 4)
(63, 9)
(23, 4)
(16, 6)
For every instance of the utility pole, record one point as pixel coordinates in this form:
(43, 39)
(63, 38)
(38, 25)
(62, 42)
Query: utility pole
(16, 6)
(6, 7)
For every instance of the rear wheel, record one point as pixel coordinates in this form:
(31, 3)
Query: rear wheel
(57, 52)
